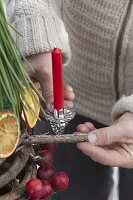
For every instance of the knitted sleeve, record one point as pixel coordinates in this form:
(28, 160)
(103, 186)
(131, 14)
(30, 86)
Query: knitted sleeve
(125, 104)
(39, 25)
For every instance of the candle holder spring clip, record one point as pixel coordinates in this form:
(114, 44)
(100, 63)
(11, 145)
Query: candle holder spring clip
(59, 118)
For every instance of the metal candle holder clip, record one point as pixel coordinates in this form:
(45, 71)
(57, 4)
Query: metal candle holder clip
(59, 119)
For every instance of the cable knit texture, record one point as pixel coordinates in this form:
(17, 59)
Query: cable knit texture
(125, 104)
(40, 27)
(99, 31)
(101, 40)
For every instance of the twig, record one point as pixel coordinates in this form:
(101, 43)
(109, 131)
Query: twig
(19, 191)
(18, 164)
(1, 161)
(22, 157)
(65, 138)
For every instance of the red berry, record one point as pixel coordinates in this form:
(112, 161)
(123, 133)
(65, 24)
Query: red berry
(34, 188)
(52, 147)
(47, 155)
(59, 181)
(47, 190)
(45, 173)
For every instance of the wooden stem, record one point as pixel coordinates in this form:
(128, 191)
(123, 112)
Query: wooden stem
(22, 155)
(65, 138)
(1, 161)
(18, 164)
(20, 190)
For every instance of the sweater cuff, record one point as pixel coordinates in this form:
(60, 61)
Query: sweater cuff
(41, 34)
(125, 104)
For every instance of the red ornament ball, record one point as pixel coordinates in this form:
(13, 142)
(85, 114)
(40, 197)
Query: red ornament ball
(47, 155)
(59, 181)
(47, 190)
(45, 173)
(34, 188)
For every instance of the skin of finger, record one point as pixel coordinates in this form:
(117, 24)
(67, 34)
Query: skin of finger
(120, 131)
(105, 157)
(86, 127)
(69, 95)
(45, 80)
(42, 65)
(40, 60)
(68, 87)
(68, 104)
(48, 95)
(124, 126)
(90, 125)
(126, 152)
(49, 99)
(83, 128)
(109, 135)
(39, 63)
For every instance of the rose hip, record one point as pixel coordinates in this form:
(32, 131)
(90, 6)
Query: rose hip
(45, 173)
(59, 181)
(47, 190)
(47, 155)
(34, 188)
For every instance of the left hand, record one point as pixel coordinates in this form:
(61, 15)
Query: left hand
(111, 145)
(41, 72)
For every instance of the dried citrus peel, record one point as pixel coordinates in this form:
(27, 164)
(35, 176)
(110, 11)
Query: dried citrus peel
(32, 110)
(9, 133)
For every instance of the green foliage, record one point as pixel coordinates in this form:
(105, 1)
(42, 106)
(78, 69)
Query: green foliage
(13, 77)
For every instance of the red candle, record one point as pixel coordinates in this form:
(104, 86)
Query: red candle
(57, 79)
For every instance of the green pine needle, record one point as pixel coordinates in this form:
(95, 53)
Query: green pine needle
(13, 77)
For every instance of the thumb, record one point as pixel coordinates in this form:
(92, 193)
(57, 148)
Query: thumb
(105, 136)
(46, 83)
(47, 90)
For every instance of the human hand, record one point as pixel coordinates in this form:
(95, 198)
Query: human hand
(41, 72)
(111, 145)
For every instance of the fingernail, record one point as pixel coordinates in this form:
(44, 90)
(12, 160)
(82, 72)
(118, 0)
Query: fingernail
(69, 88)
(92, 138)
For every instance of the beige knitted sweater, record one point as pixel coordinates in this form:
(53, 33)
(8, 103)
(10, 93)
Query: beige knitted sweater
(101, 40)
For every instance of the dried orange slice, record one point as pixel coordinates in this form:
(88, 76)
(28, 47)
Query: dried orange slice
(9, 133)
(31, 111)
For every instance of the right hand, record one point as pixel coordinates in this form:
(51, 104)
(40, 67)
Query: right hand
(111, 145)
(42, 73)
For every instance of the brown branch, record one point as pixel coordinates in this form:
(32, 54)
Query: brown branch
(20, 190)
(1, 161)
(22, 157)
(18, 164)
(64, 138)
